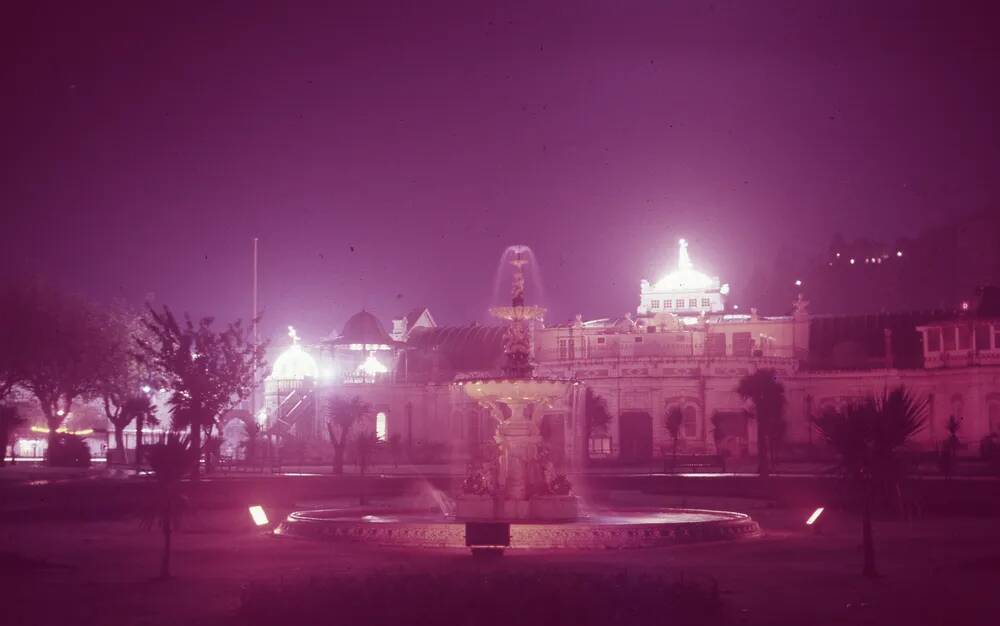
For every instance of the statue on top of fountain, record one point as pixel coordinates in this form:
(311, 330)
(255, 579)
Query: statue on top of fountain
(522, 482)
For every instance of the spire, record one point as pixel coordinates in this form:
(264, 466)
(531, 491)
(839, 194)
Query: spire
(683, 260)
(294, 335)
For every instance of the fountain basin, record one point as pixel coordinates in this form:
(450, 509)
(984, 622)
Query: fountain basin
(620, 530)
(549, 508)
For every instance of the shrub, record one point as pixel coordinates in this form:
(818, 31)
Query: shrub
(69, 451)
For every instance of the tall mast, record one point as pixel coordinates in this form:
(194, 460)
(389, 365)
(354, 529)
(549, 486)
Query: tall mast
(256, 338)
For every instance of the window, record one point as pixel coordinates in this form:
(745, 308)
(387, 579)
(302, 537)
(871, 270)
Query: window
(567, 350)
(742, 344)
(599, 445)
(982, 337)
(949, 339)
(381, 430)
(715, 344)
(996, 337)
(667, 304)
(651, 329)
(964, 338)
(655, 304)
(638, 339)
(705, 302)
(933, 339)
(600, 340)
(693, 303)
(690, 423)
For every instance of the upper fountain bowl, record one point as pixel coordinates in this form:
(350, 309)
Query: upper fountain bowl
(515, 390)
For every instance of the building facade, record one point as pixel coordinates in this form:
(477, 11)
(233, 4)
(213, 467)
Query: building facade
(682, 348)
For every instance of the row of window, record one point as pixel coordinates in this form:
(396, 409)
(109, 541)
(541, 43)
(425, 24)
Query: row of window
(692, 303)
(715, 344)
(962, 338)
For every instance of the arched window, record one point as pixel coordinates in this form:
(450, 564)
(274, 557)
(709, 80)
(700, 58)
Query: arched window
(690, 423)
(381, 426)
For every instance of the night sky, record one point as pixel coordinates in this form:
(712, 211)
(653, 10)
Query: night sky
(385, 154)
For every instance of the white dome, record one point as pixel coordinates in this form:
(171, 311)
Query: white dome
(686, 280)
(294, 364)
(685, 277)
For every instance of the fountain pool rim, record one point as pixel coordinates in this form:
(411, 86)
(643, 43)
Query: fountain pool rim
(636, 528)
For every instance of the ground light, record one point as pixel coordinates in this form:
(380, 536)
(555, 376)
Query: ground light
(813, 521)
(258, 515)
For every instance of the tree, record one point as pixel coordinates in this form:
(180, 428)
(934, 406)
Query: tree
(9, 421)
(366, 445)
(867, 436)
(342, 414)
(208, 371)
(949, 448)
(595, 410)
(171, 459)
(768, 397)
(125, 380)
(675, 418)
(143, 411)
(68, 350)
(16, 307)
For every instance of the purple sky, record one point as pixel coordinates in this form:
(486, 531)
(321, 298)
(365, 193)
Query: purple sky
(386, 154)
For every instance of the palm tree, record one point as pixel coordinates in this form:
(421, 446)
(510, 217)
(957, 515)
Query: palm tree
(768, 397)
(342, 414)
(674, 420)
(867, 436)
(139, 408)
(172, 458)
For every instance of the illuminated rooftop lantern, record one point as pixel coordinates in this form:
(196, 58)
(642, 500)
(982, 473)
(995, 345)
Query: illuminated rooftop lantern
(685, 277)
(684, 290)
(294, 363)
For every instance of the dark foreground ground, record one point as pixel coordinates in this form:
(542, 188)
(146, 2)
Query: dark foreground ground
(935, 570)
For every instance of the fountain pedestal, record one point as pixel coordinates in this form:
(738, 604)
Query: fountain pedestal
(522, 490)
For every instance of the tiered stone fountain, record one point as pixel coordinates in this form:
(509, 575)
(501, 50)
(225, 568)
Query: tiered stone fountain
(520, 484)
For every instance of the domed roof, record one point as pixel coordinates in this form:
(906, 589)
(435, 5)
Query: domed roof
(294, 363)
(364, 328)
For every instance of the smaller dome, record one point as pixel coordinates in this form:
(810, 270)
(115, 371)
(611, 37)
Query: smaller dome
(364, 328)
(294, 364)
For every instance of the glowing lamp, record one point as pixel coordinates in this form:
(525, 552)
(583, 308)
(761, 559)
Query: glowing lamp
(899, 253)
(798, 283)
(852, 261)
(815, 516)
(372, 366)
(258, 515)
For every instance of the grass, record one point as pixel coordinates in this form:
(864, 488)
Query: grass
(935, 571)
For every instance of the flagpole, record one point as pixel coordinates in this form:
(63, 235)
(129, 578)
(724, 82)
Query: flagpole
(256, 338)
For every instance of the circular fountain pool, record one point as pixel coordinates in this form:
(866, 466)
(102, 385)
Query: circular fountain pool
(635, 529)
